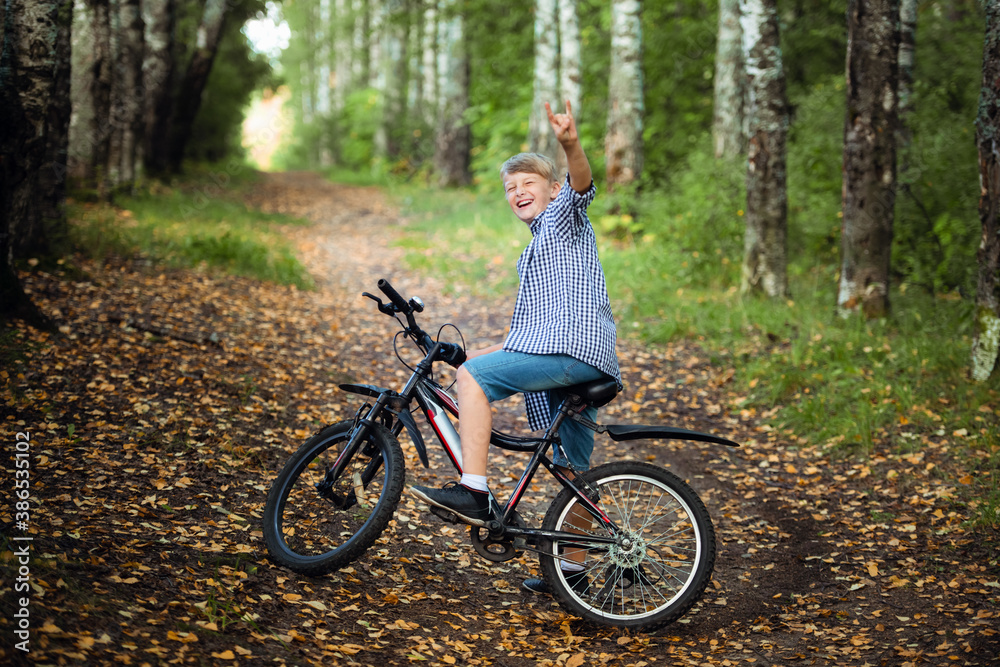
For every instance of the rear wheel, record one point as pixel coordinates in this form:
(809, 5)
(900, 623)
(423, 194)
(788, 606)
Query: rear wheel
(662, 558)
(314, 528)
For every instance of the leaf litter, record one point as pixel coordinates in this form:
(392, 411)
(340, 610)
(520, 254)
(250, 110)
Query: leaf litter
(170, 399)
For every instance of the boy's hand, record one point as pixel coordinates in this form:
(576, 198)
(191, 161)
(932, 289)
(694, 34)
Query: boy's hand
(563, 124)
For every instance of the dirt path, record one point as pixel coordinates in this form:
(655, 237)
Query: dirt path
(148, 549)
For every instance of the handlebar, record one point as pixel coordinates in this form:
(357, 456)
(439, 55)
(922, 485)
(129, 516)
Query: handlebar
(408, 309)
(394, 296)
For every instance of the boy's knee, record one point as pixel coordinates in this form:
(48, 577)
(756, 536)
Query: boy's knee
(465, 380)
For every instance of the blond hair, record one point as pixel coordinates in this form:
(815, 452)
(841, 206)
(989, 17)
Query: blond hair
(530, 163)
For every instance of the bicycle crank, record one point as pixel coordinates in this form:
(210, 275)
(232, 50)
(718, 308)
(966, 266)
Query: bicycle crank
(498, 549)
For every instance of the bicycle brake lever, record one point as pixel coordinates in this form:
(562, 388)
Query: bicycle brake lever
(386, 308)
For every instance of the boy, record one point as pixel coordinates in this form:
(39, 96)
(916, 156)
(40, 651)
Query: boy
(562, 331)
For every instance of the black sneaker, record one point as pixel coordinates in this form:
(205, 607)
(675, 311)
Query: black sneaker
(471, 507)
(578, 581)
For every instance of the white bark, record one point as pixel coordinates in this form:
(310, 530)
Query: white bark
(728, 127)
(429, 54)
(546, 79)
(569, 67)
(623, 141)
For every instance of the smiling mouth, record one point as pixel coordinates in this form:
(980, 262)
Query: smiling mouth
(525, 204)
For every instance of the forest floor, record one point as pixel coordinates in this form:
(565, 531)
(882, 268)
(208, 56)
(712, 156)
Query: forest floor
(168, 401)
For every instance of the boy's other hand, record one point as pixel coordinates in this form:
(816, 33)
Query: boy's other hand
(563, 124)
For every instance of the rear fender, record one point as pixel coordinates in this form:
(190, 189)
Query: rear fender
(619, 432)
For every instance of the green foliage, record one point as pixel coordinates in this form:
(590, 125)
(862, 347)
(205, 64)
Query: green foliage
(815, 157)
(679, 61)
(199, 222)
(483, 238)
(937, 228)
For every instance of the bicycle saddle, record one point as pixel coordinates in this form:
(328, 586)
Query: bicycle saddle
(595, 393)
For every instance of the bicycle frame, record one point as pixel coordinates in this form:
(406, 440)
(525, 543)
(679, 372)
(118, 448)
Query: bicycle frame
(436, 403)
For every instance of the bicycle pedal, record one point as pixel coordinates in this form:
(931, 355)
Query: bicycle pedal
(445, 515)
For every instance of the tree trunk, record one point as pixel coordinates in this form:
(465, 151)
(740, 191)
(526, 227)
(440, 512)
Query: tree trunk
(360, 63)
(623, 141)
(158, 79)
(324, 90)
(29, 63)
(341, 55)
(128, 102)
(189, 99)
(869, 157)
(429, 49)
(907, 49)
(904, 133)
(765, 244)
(100, 94)
(51, 194)
(546, 80)
(728, 132)
(986, 335)
(453, 137)
(569, 68)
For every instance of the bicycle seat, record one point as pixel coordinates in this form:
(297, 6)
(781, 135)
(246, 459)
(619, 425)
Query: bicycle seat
(595, 393)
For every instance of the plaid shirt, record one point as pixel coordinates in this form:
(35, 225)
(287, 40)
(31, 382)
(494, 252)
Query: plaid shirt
(562, 302)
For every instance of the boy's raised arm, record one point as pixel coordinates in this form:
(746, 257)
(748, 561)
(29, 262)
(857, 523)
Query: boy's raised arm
(564, 127)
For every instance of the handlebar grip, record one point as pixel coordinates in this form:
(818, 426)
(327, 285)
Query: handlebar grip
(393, 295)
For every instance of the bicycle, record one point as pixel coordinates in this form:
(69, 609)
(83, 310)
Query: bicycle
(649, 550)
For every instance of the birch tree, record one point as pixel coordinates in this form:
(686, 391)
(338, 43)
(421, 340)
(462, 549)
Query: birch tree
(127, 96)
(546, 78)
(428, 99)
(453, 136)
(986, 335)
(101, 74)
(324, 92)
(623, 140)
(159, 72)
(869, 165)
(765, 241)
(569, 68)
(728, 132)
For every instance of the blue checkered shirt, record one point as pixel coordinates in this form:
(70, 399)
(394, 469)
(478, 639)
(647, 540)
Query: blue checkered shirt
(562, 302)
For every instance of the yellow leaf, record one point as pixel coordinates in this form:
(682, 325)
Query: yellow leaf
(576, 660)
(225, 655)
(872, 569)
(291, 597)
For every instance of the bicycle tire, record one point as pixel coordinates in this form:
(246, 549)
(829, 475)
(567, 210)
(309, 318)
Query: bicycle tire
(306, 531)
(667, 564)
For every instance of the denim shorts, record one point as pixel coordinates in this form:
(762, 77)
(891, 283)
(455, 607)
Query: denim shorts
(502, 374)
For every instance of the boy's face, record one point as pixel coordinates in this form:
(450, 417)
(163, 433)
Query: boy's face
(529, 194)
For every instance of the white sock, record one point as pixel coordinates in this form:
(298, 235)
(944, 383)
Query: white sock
(571, 566)
(477, 482)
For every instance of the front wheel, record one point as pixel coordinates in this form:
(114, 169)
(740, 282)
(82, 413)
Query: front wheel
(661, 559)
(313, 525)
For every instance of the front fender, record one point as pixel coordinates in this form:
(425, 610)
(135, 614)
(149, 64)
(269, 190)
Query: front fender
(398, 407)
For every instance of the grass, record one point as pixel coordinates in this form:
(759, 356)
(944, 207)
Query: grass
(849, 385)
(201, 220)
